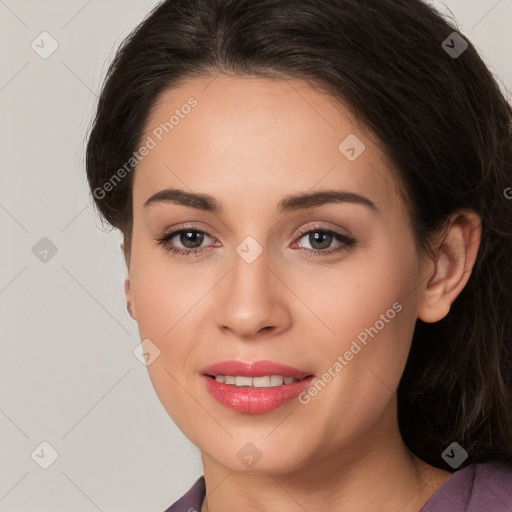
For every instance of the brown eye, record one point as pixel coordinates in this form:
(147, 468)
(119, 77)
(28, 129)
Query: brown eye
(190, 240)
(321, 240)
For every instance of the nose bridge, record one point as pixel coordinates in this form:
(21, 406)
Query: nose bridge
(249, 280)
(251, 298)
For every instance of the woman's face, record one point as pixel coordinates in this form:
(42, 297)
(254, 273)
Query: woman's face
(340, 308)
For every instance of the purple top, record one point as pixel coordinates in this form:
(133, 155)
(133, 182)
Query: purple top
(484, 487)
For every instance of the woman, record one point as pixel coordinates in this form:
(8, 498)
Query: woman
(317, 233)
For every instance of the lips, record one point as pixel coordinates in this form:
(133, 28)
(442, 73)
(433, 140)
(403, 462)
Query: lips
(256, 400)
(249, 399)
(254, 369)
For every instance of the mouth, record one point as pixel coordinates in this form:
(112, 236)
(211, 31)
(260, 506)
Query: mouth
(255, 387)
(239, 369)
(256, 395)
(264, 381)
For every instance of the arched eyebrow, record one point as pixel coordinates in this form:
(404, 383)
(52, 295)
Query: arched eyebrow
(290, 203)
(315, 199)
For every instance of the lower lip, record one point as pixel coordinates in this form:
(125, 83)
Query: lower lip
(254, 400)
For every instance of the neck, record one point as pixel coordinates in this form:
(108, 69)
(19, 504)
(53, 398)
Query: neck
(374, 472)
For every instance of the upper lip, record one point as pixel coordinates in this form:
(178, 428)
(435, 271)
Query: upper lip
(254, 369)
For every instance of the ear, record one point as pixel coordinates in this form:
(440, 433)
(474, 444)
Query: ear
(451, 267)
(127, 286)
(128, 298)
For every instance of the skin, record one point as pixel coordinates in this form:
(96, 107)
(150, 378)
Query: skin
(249, 143)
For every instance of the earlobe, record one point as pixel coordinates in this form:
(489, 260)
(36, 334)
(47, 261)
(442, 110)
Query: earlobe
(128, 298)
(453, 262)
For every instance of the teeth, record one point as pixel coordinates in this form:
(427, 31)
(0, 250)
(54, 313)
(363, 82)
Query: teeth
(257, 382)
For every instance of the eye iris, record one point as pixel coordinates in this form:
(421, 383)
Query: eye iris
(314, 238)
(192, 237)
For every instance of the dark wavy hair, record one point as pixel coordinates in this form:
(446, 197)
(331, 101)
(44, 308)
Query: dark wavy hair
(441, 119)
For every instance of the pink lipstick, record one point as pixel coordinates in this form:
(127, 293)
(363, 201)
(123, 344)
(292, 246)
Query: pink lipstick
(254, 388)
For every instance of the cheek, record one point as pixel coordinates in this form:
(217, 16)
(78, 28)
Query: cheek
(371, 335)
(355, 299)
(163, 292)
(363, 364)
(164, 302)
(371, 313)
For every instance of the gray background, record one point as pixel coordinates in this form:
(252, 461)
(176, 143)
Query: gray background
(68, 375)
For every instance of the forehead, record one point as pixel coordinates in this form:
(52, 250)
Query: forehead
(226, 135)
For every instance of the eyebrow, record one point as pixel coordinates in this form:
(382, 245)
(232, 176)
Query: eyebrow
(290, 203)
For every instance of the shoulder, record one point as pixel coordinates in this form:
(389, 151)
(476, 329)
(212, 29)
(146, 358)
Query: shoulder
(192, 500)
(492, 486)
(476, 488)
(482, 486)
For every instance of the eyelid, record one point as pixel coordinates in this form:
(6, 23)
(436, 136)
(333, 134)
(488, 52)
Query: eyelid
(346, 240)
(319, 227)
(165, 235)
(183, 227)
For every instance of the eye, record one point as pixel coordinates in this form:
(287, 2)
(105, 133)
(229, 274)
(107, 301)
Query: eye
(190, 238)
(321, 239)
(191, 241)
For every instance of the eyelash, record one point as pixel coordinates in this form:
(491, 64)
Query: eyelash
(347, 242)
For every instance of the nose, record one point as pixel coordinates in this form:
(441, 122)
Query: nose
(252, 301)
